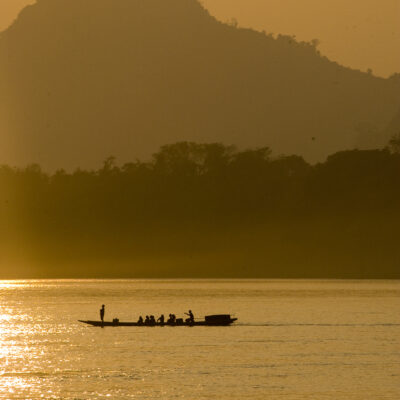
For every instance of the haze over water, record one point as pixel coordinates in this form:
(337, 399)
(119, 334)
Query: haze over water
(293, 340)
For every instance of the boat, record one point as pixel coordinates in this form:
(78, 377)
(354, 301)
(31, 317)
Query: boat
(209, 320)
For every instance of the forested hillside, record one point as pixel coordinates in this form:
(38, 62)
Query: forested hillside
(206, 210)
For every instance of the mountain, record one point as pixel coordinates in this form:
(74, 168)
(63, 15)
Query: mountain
(82, 80)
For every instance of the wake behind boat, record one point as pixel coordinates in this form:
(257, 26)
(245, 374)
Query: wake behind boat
(209, 320)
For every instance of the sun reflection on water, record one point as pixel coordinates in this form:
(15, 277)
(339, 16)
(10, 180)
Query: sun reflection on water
(18, 283)
(14, 347)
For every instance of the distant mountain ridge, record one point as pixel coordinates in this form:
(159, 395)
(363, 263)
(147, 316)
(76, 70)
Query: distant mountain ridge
(80, 81)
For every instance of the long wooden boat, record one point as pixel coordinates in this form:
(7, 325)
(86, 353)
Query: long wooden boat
(209, 320)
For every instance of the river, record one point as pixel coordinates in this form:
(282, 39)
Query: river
(294, 339)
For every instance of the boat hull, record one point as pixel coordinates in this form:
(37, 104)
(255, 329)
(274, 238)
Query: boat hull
(196, 323)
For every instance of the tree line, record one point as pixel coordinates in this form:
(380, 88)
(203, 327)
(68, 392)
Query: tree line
(194, 199)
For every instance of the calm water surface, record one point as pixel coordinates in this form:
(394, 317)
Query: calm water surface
(293, 340)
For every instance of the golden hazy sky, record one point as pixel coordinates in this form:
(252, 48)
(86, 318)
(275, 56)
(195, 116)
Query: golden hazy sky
(360, 34)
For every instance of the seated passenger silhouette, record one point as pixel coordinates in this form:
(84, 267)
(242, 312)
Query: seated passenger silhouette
(171, 319)
(140, 320)
(161, 319)
(190, 320)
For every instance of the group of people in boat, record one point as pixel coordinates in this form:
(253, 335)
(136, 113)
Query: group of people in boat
(172, 320)
(151, 320)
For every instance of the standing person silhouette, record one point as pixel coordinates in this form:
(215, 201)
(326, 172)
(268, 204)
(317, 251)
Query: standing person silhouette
(102, 310)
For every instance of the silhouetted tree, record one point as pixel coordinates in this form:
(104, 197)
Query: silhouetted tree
(394, 143)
